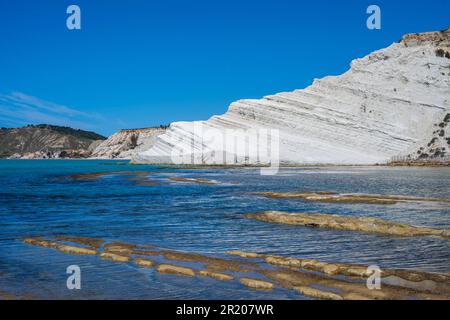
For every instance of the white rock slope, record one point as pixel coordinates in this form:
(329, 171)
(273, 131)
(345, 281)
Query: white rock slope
(125, 143)
(385, 105)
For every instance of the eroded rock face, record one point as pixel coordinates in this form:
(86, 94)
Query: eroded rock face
(125, 143)
(364, 224)
(384, 106)
(439, 39)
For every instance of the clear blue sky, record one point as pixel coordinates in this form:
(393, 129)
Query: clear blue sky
(139, 63)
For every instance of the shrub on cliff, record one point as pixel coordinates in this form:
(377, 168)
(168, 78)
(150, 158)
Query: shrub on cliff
(447, 117)
(440, 52)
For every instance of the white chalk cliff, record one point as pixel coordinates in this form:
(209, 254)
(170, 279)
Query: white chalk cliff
(386, 105)
(125, 143)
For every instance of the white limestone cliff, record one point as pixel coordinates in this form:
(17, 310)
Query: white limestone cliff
(123, 144)
(386, 105)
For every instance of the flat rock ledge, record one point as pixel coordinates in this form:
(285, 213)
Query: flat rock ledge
(332, 197)
(193, 180)
(318, 294)
(257, 284)
(331, 221)
(413, 279)
(354, 270)
(215, 275)
(60, 246)
(146, 263)
(243, 254)
(329, 280)
(115, 257)
(172, 269)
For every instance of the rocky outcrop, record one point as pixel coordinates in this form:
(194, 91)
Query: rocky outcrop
(70, 249)
(114, 257)
(146, 263)
(309, 277)
(332, 197)
(384, 106)
(215, 275)
(257, 284)
(332, 221)
(125, 143)
(319, 294)
(171, 269)
(46, 142)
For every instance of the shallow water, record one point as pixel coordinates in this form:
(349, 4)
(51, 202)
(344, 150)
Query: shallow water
(38, 198)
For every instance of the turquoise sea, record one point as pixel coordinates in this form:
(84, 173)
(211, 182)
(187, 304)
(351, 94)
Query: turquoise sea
(40, 198)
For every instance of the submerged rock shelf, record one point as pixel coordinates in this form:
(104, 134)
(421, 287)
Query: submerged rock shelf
(335, 281)
(348, 198)
(97, 175)
(331, 221)
(140, 178)
(193, 180)
(171, 269)
(352, 270)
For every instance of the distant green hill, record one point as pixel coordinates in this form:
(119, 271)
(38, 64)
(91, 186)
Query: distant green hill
(44, 137)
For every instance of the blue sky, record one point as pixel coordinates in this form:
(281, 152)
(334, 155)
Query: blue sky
(140, 63)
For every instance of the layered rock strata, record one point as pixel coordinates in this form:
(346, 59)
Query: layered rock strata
(386, 105)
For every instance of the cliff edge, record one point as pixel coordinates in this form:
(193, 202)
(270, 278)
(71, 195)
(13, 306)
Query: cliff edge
(387, 104)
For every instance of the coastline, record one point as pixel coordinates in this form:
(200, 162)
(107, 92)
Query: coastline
(411, 164)
(207, 220)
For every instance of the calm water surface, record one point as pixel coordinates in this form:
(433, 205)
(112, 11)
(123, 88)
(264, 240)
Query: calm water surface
(38, 198)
